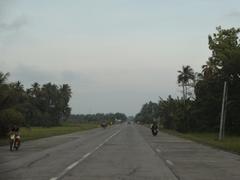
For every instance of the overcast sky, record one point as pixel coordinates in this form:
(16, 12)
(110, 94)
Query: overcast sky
(115, 54)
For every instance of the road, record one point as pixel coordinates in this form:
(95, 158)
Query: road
(120, 152)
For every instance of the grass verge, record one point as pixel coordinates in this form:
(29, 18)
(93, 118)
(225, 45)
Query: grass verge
(230, 143)
(42, 132)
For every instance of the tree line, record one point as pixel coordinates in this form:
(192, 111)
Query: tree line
(99, 117)
(39, 105)
(199, 107)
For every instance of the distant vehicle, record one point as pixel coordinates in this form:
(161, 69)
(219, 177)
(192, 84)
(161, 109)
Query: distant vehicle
(154, 132)
(129, 122)
(154, 128)
(118, 121)
(14, 141)
(104, 124)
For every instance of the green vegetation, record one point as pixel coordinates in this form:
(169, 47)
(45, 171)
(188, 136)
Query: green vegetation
(42, 106)
(110, 117)
(45, 105)
(42, 132)
(230, 143)
(199, 108)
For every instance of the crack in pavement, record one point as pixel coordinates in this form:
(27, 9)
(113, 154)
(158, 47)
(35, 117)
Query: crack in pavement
(133, 171)
(37, 160)
(160, 155)
(26, 165)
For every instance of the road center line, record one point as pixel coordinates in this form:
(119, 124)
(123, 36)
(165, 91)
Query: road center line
(158, 150)
(170, 162)
(71, 166)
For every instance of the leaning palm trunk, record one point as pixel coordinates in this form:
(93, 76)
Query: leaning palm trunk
(184, 94)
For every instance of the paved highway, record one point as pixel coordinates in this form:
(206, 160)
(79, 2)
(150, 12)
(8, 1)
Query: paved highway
(120, 152)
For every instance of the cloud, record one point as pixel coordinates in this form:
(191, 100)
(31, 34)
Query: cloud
(74, 77)
(30, 74)
(5, 23)
(234, 14)
(4, 4)
(14, 25)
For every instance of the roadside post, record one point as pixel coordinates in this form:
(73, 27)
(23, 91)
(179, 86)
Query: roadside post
(223, 113)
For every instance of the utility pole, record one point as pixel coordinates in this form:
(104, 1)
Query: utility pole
(223, 113)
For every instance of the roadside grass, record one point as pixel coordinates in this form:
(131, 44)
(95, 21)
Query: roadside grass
(230, 143)
(42, 132)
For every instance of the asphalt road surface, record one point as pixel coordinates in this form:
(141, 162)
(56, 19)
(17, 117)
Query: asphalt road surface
(120, 152)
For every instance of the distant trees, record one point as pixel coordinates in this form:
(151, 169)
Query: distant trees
(44, 105)
(48, 101)
(202, 113)
(148, 113)
(11, 96)
(110, 117)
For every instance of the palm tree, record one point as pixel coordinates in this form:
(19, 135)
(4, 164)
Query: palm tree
(18, 86)
(65, 95)
(4, 90)
(35, 90)
(3, 77)
(209, 69)
(66, 92)
(184, 77)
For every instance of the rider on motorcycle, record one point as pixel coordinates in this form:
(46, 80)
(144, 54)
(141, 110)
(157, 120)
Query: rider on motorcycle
(15, 134)
(154, 125)
(154, 128)
(14, 130)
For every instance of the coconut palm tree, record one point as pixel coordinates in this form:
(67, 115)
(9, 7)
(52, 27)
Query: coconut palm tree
(66, 92)
(184, 78)
(209, 69)
(4, 90)
(3, 77)
(65, 95)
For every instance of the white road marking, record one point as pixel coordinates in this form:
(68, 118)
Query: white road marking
(54, 178)
(158, 150)
(71, 166)
(170, 162)
(86, 155)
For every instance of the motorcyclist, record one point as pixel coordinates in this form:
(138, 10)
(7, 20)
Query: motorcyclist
(104, 124)
(154, 128)
(15, 131)
(154, 125)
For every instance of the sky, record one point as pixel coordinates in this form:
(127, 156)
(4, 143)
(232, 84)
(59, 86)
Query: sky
(115, 54)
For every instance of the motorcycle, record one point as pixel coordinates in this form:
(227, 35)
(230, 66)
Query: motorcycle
(104, 125)
(14, 142)
(154, 131)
